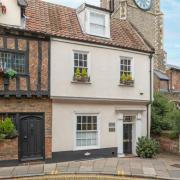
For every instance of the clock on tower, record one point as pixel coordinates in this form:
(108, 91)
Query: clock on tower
(147, 18)
(144, 4)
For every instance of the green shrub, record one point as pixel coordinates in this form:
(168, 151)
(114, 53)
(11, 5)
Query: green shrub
(147, 147)
(7, 129)
(175, 118)
(161, 114)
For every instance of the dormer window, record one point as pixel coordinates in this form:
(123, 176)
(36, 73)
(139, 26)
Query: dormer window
(94, 20)
(97, 24)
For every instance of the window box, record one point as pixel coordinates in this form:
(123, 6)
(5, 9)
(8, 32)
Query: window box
(81, 79)
(127, 83)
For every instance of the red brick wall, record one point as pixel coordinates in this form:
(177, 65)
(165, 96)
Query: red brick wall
(160, 84)
(32, 106)
(168, 145)
(9, 149)
(174, 76)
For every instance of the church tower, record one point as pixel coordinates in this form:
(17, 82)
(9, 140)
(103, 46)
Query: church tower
(147, 18)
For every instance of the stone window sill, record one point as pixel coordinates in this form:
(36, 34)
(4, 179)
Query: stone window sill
(81, 82)
(126, 85)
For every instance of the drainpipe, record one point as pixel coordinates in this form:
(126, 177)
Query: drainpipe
(151, 95)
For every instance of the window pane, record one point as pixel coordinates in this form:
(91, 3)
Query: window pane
(75, 55)
(97, 19)
(84, 119)
(97, 29)
(76, 63)
(81, 63)
(85, 56)
(85, 63)
(78, 127)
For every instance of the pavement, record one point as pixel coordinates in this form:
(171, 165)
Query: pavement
(162, 167)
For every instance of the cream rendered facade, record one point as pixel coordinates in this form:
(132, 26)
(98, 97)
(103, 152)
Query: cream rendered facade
(102, 96)
(13, 13)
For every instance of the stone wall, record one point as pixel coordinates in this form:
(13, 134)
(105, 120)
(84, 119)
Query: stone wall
(32, 106)
(9, 149)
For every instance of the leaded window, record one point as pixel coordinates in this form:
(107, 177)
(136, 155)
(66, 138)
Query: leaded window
(15, 61)
(86, 131)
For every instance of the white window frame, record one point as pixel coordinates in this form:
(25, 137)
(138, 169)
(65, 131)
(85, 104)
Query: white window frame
(88, 60)
(107, 23)
(93, 23)
(132, 65)
(76, 148)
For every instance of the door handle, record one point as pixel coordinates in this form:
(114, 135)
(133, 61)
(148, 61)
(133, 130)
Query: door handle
(25, 137)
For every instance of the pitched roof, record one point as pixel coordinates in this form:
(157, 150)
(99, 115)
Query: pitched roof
(161, 75)
(170, 66)
(60, 21)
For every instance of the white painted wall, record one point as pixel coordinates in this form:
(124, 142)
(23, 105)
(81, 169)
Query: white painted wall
(13, 13)
(64, 118)
(104, 73)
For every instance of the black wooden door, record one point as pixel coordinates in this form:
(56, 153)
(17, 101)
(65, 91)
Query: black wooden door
(31, 138)
(127, 138)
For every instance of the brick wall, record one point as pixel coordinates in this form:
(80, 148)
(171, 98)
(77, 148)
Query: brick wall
(160, 85)
(168, 145)
(9, 149)
(174, 76)
(32, 106)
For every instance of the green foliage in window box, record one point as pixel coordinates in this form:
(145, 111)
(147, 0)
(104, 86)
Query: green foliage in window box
(10, 73)
(162, 113)
(7, 129)
(123, 78)
(147, 147)
(82, 77)
(126, 80)
(78, 74)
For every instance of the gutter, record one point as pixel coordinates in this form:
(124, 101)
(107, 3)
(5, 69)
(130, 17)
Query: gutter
(151, 93)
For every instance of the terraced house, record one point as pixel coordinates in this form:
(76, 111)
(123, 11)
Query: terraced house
(25, 98)
(94, 70)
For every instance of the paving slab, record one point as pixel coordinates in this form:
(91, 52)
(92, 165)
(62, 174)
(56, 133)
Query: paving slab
(149, 171)
(85, 169)
(20, 171)
(49, 168)
(162, 174)
(174, 173)
(136, 171)
(36, 169)
(6, 171)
